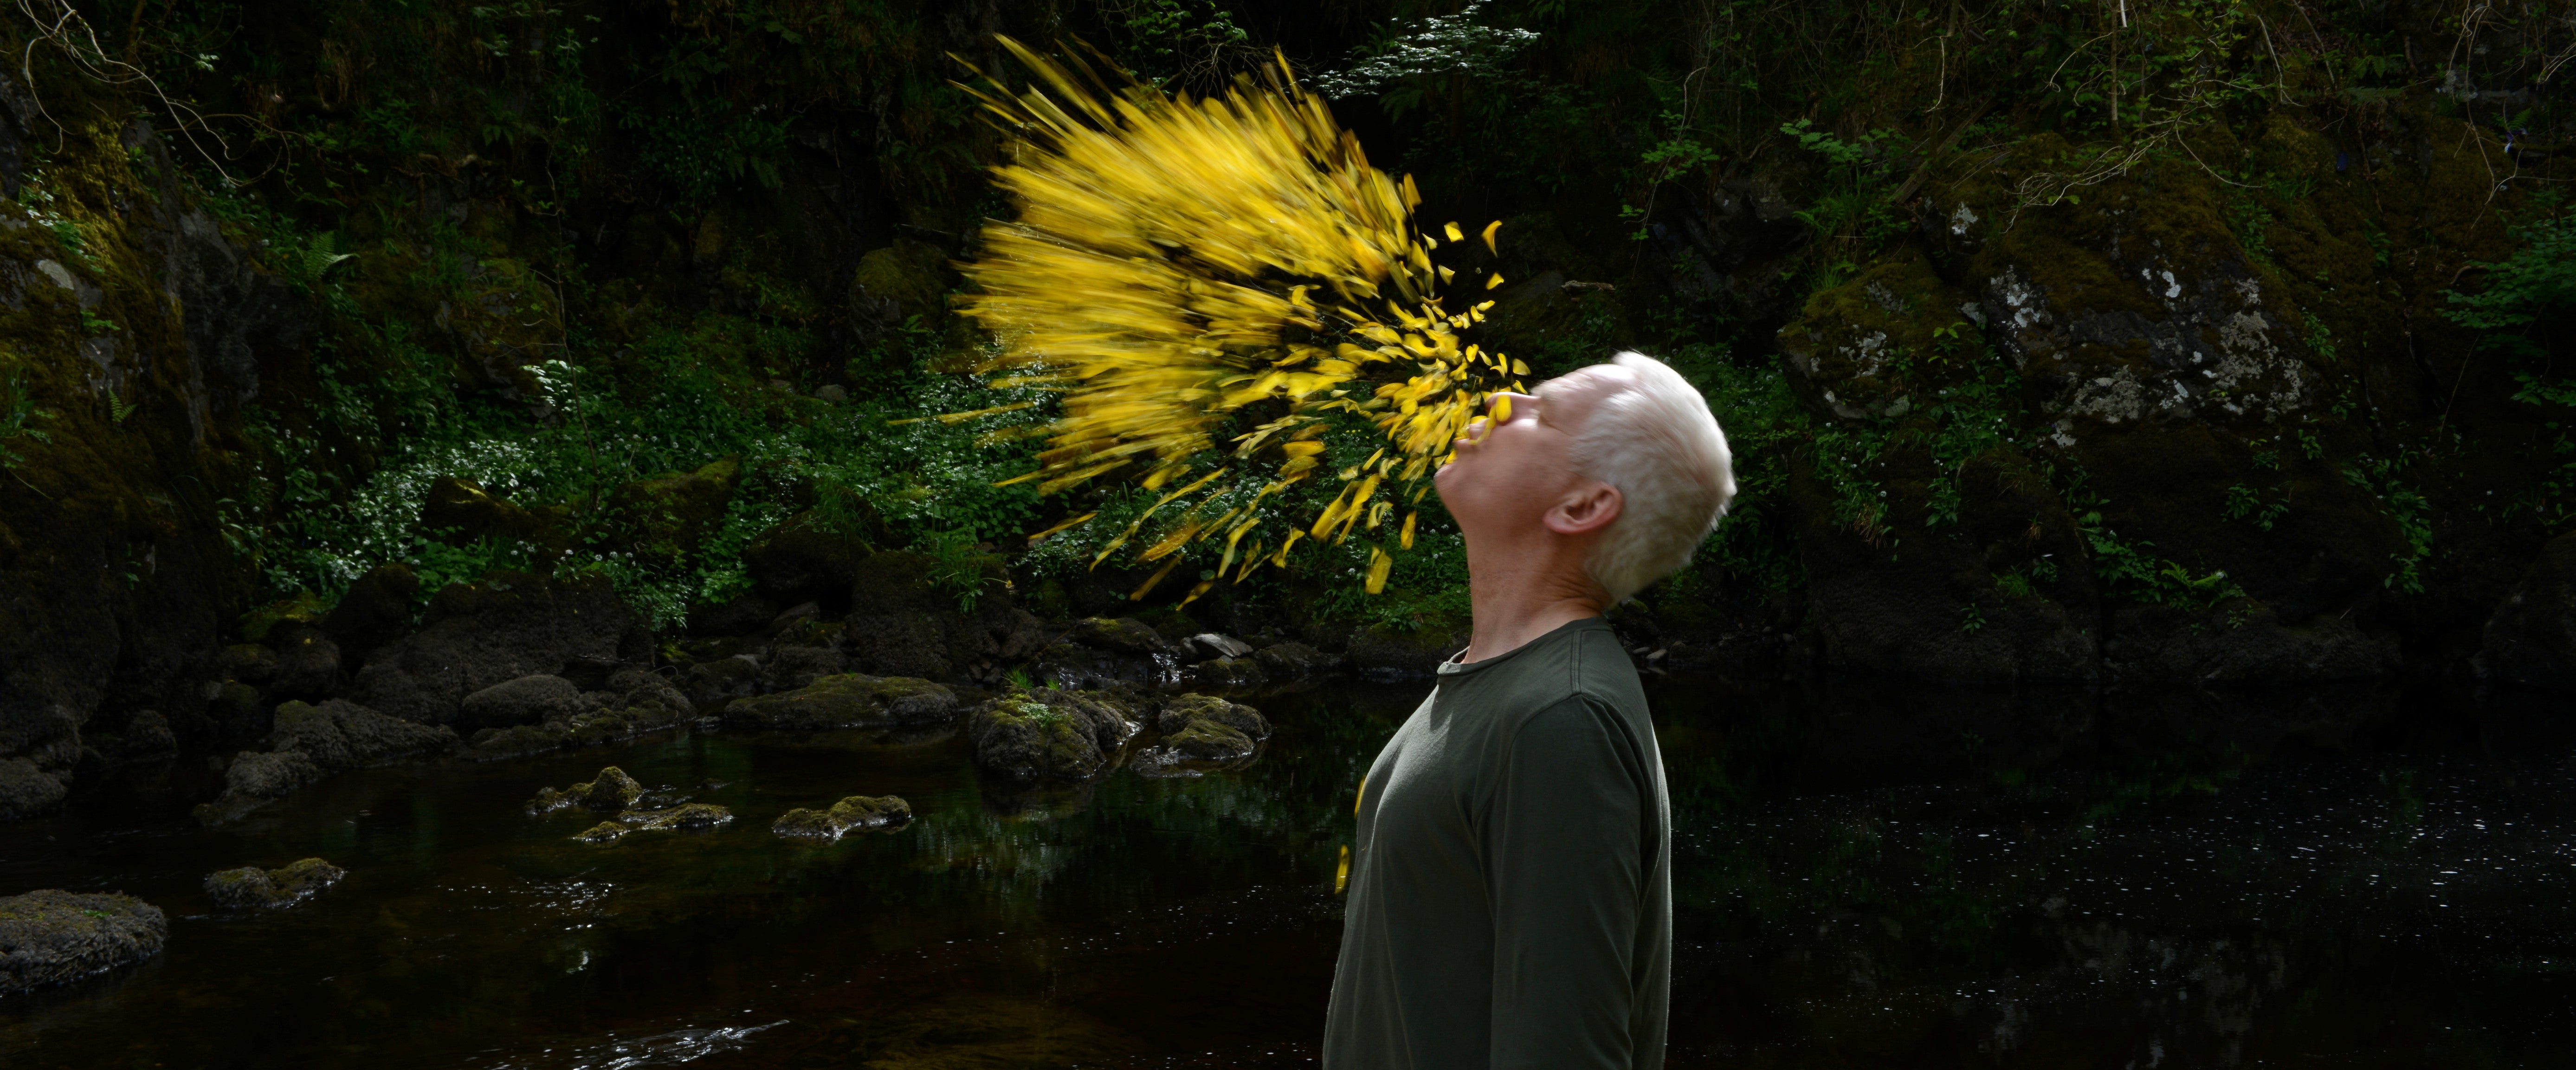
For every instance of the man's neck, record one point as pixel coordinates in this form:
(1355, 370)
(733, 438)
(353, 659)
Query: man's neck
(1514, 605)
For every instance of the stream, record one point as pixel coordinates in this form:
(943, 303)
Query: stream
(1864, 876)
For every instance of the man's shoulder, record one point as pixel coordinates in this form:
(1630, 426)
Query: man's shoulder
(1588, 669)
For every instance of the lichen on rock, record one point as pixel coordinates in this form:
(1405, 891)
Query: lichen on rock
(272, 889)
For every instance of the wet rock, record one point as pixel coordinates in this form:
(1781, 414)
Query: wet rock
(849, 700)
(688, 816)
(310, 740)
(1182, 711)
(526, 700)
(1125, 635)
(251, 887)
(2531, 638)
(1202, 732)
(1049, 734)
(26, 791)
(480, 634)
(51, 937)
(1228, 672)
(270, 775)
(1105, 652)
(713, 685)
(635, 702)
(793, 667)
(308, 664)
(1288, 661)
(340, 734)
(848, 815)
(611, 791)
(253, 779)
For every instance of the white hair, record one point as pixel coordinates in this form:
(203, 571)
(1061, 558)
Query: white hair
(1657, 443)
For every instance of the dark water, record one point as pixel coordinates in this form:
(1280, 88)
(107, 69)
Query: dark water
(1864, 877)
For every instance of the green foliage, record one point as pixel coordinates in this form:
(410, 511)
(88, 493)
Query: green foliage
(2412, 512)
(2245, 503)
(2527, 292)
(18, 417)
(959, 566)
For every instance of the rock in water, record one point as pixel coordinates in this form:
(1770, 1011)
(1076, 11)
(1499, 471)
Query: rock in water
(251, 886)
(690, 816)
(849, 700)
(1202, 732)
(855, 812)
(50, 937)
(612, 790)
(340, 734)
(635, 702)
(1046, 733)
(333, 736)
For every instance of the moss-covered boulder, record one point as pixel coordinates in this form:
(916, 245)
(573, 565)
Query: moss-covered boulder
(1202, 732)
(611, 791)
(685, 817)
(848, 815)
(849, 700)
(51, 937)
(634, 703)
(251, 887)
(668, 516)
(1049, 734)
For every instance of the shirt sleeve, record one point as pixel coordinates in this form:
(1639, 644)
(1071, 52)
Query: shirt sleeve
(1564, 841)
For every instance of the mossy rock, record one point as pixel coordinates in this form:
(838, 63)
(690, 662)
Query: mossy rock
(850, 814)
(251, 887)
(1050, 734)
(686, 817)
(1202, 732)
(668, 516)
(51, 937)
(1856, 346)
(905, 279)
(508, 320)
(847, 700)
(612, 790)
(461, 512)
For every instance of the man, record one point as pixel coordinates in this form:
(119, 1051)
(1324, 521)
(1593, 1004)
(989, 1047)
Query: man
(1511, 893)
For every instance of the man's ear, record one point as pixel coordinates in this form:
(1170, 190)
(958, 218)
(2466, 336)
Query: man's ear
(1587, 509)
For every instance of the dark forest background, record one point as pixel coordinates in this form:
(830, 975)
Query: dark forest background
(2217, 341)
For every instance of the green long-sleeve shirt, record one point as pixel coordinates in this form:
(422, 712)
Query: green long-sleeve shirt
(1511, 891)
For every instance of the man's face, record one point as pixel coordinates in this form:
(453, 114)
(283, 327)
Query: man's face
(1508, 474)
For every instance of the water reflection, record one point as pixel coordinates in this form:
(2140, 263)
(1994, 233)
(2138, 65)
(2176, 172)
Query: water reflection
(1865, 876)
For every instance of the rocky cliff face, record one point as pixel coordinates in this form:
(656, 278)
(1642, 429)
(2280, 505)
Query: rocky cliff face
(137, 332)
